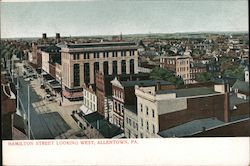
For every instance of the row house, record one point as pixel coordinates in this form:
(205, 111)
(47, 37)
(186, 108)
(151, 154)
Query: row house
(89, 100)
(80, 62)
(123, 93)
(51, 68)
(195, 69)
(104, 90)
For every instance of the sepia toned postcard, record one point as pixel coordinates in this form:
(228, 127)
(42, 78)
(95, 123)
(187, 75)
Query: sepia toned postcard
(133, 82)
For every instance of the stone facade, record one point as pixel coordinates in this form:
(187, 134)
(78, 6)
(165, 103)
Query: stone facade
(80, 62)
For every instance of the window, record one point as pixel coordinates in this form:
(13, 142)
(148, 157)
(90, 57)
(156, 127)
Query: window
(147, 126)
(147, 110)
(131, 53)
(131, 65)
(96, 54)
(153, 113)
(123, 53)
(105, 68)
(114, 67)
(114, 53)
(141, 122)
(105, 54)
(86, 73)
(141, 107)
(136, 126)
(123, 66)
(119, 107)
(86, 55)
(153, 126)
(76, 75)
(129, 120)
(76, 56)
(141, 135)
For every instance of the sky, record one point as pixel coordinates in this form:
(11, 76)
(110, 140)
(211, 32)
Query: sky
(112, 17)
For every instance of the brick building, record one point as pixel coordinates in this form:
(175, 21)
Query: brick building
(178, 64)
(161, 110)
(8, 108)
(195, 69)
(123, 93)
(104, 89)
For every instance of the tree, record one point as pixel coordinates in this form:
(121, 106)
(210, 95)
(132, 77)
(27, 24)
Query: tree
(163, 74)
(204, 77)
(235, 72)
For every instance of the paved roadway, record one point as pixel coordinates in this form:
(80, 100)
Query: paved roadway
(45, 123)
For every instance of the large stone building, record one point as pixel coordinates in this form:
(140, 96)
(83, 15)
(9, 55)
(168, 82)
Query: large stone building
(80, 62)
(178, 64)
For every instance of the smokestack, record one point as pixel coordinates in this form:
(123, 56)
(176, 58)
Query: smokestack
(97, 125)
(57, 35)
(44, 36)
(226, 107)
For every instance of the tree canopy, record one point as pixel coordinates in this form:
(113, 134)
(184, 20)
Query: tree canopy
(163, 74)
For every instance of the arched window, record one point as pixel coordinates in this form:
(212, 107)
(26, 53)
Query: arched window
(105, 68)
(123, 66)
(76, 75)
(131, 63)
(114, 67)
(86, 73)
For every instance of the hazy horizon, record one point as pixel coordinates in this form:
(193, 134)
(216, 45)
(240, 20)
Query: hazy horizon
(99, 18)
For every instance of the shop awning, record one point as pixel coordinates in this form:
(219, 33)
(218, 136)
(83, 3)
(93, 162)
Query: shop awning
(85, 110)
(72, 94)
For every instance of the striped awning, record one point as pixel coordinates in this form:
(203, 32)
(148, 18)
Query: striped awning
(72, 94)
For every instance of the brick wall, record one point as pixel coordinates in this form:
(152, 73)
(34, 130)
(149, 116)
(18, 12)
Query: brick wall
(197, 108)
(100, 93)
(52, 70)
(39, 60)
(130, 97)
(6, 125)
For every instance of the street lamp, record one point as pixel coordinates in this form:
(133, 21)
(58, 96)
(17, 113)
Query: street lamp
(61, 90)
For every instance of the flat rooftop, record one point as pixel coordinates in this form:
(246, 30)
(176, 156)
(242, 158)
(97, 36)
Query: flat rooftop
(234, 100)
(190, 91)
(131, 108)
(190, 128)
(101, 44)
(144, 83)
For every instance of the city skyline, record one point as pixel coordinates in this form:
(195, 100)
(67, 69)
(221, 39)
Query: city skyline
(89, 18)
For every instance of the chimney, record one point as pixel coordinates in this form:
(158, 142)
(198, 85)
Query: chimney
(226, 107)
(158, 86)
(57, 35)
(97, 125)
(44, 36)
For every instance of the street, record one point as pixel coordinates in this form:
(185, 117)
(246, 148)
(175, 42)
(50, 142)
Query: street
(48, 119)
